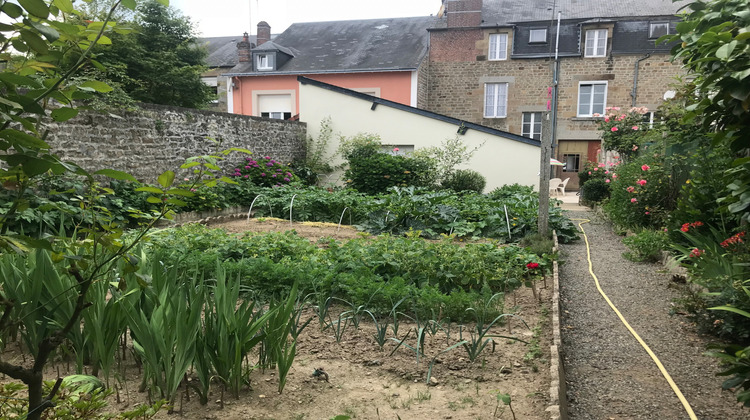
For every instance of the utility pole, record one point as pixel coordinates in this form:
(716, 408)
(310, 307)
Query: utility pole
(549, 122)
(546, 154)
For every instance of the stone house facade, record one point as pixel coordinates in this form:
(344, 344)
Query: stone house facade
(492, 62)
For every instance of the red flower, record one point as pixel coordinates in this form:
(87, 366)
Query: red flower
(532, 265)
(695, 253)
(645, 167)
(733, 240)
(641, 182)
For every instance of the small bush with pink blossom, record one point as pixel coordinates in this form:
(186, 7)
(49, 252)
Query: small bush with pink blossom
(263, 171)
(622, 131)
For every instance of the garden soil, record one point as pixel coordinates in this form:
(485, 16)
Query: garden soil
(366, 382)
(609, 375)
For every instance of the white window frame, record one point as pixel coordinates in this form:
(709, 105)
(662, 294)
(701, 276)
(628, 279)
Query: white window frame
(653, 25)
(538, 30)
(496, 100)
(596, 43)
(532, 124)
(590, 99)
(498, 49)
(263, 62)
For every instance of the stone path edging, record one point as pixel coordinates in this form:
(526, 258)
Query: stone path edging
(558, 409)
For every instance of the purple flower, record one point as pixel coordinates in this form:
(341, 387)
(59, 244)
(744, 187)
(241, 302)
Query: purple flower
(267, 157)
(279, 170)
(286, 179)
(273, 176)
(247, 176)
(263, 174)
(269, 164)
(288, 174)
(247, 167)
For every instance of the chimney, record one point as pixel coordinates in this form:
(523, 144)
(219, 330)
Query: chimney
(463, 13)
(264, 32)
(243, 49)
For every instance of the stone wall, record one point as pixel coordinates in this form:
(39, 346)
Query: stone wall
(154, 138)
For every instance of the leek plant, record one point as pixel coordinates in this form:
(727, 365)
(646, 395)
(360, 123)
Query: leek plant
(479, 336)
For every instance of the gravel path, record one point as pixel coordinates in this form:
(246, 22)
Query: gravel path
(609, 375)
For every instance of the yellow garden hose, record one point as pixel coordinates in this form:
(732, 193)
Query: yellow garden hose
(656, 360)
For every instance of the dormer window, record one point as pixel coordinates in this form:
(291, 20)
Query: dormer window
(596, 43)
(657, 29)
(264, 62)
(498, 47)
(537, 35)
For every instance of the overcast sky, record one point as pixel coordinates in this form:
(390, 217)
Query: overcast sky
(233, 17)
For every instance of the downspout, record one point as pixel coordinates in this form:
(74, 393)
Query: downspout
(634, 92)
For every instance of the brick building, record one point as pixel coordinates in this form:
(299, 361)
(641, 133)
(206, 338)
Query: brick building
(492, 63)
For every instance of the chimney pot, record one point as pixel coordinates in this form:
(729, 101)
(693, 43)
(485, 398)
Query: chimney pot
(243, 49)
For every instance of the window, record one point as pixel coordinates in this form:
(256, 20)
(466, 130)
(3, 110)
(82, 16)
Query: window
(276, 115)
(532, 125)
(591, 98)
(213, 83)
(495, 100)
(537, 35)
(596, 43)
(275, 106)
(657, 29)
(498, 47)
(651, 117)
(571, 162)
(264, 62)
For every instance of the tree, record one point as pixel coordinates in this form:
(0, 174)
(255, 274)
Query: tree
(159, 61)
(45, 48)
(713, 43)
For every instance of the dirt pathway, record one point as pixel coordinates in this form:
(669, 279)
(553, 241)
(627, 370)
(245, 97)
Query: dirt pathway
(609, 375)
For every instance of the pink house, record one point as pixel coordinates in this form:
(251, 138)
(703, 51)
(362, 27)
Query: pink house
(386, 58)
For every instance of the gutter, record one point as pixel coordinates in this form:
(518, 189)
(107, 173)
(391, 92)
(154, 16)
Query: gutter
(294, 72)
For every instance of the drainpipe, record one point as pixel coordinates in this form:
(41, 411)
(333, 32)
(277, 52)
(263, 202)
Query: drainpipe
(634, 93)
(555, 87)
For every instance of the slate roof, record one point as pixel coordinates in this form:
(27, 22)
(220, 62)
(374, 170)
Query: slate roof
(506, 12)
(222, 50)
(350, 46)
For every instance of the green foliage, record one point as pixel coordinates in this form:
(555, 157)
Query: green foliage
(373, 172)
(718, 261)
(72, 402)
(265, 172)
(464, 215)
(158, 62)
(465, 180)
(646, 246)
(595, 191)
(315, 161)
(642, 193)
(444, 159)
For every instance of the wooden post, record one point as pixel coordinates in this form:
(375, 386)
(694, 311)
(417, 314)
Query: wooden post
(544, 171)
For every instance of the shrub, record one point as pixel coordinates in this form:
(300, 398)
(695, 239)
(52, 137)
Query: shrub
(594, 170)
(622, 132)
(646, 246)
(374, 173)
(595, 191)
(507, 191)
(265, 171)
(641, 194)
(465, 180)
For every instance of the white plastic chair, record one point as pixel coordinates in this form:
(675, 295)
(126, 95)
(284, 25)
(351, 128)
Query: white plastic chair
(561, 186)
(554, 183)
